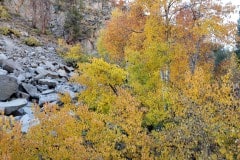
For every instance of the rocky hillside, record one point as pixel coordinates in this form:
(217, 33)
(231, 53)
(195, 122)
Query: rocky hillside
(30, 75)
(52, 14)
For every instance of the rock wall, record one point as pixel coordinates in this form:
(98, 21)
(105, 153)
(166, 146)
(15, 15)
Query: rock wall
(95, 14)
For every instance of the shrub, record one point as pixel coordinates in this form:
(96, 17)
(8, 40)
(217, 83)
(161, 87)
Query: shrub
(31, 41)
(4, 30)
(72, 54)
(75, 55)
(3, 13)
(9, 31)
(63, 47)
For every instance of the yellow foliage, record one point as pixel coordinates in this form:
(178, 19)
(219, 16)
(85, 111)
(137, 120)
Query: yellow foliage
(157, 106)
(32, 41)
(9, 31)
(72, 54)
(101, 79)
(4, 15)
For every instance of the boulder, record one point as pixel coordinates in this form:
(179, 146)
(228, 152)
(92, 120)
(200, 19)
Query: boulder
(49, 91)
(3, 57)
(10, 66)
(11, 106)
(30, 89)
(20, 78)
(62, 73)
(53, 97)
(68, 69)
(3, 72)
(23, 95)
(41, 70)
(52, 75)
(50, 65)
(49, 82)
(8, 86)
(66, 89)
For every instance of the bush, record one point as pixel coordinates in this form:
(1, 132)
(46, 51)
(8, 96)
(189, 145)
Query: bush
(31, 41)
(72, 54)
(4, 30)
(63, 47)
(4, 15)
(75, 55)
(9, 31)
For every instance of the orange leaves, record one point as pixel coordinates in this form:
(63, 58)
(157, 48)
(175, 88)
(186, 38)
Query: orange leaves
(115, 36)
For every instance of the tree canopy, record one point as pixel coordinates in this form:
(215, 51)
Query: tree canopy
(153, 92)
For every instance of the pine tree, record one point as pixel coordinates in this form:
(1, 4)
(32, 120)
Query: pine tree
(238, 39)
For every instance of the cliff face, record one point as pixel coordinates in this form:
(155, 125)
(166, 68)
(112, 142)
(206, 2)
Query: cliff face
(50, 16)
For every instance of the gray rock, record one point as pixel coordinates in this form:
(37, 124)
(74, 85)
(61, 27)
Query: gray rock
(50, 82)
(69, 69)
(28, 75)
(23, 95)
(49, 91)
(62, 73)
(50, 65)
(27, 110)
(25, 121)
(53, 75)
(40, 50)
(45, 73)
(39, 76)
(8, 86)
(3, 72)
(41, 70)
(34, 65)
(11, 106)
(20, 78)
(42, 88)
(10, 66)
(48, 98)
(65, 89)
(28, 121)
(30, 89)
(3, 57)
(78, 88)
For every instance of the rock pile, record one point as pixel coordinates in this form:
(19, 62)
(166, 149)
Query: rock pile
(31, 75)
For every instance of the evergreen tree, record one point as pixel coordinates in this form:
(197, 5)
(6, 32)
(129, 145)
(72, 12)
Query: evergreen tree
(73, 24)
(238, 39)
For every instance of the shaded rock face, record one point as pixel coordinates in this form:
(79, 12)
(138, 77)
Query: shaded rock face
(94, 13)
(8, 86)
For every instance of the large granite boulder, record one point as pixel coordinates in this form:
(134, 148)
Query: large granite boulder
(8, 86)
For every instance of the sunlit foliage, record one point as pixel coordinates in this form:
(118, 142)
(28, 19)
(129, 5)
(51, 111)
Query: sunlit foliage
(156, 93)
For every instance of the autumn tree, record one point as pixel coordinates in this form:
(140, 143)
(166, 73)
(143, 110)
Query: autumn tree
(238, 41)
(102, 80)
(153, 94)
(115, 37)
